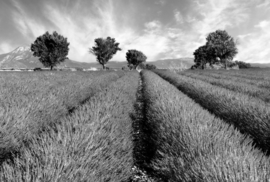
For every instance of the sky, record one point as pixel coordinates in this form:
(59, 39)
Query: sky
(161, 29)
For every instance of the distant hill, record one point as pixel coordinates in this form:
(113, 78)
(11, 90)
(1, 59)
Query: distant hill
(22, 57)
(180, 63)
(260, 65)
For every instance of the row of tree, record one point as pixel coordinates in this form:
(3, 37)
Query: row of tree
(52, 49)
(220, 47)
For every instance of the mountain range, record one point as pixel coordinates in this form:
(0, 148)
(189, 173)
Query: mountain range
(22, 57)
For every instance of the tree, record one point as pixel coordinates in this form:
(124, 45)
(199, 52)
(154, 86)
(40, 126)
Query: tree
(243, 65)
(135, 58)
(150, 67)
(52, 49)
(201, 55)
(222, 45)
(104, 50)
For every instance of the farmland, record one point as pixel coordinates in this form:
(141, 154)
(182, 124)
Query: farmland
(129, 126)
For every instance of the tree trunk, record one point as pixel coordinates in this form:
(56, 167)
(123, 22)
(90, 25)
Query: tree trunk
(202, 65)
(51, 68)
(225, 61)
(104, 66)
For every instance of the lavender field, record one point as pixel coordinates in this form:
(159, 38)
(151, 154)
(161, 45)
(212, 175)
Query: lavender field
(196, 125)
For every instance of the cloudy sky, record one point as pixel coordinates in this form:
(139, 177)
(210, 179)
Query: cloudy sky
(162, 29)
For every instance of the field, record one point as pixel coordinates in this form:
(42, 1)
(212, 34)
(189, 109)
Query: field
(125, 126)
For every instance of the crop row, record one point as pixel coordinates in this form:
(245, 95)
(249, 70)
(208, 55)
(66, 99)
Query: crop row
(250, 115)
(250, 74)
(94, 143)
(187, 143)
(262, 83)
(227, 76)
(230, 84)
(25, 112)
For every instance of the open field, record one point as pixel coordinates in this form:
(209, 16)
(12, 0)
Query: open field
(193, 145)
(32, 101)
(242, 85)
(91, 143)
(131, 127)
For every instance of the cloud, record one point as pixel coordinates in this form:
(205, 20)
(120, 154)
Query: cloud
(219, 15)
(28, 27)
(153, 25)
(264, 4)
(178, 17)
(263, 24)
(174, 32)
(81, 35)
(160, 2)
(254, 47)
(5, 47)
(205, 17)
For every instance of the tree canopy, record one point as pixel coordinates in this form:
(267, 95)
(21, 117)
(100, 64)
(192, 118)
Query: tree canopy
(220, 46)
(104, 50)
(135, 58)
(223, 45)
(52, 49)
(243, 65)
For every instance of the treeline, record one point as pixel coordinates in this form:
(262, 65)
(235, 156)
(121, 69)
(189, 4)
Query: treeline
(52, 49)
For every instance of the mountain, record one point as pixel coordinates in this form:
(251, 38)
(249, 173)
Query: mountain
(22, 57)
(180, 63)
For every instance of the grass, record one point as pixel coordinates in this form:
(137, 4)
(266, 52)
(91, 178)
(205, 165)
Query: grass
(93, 143)
(190, 144)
